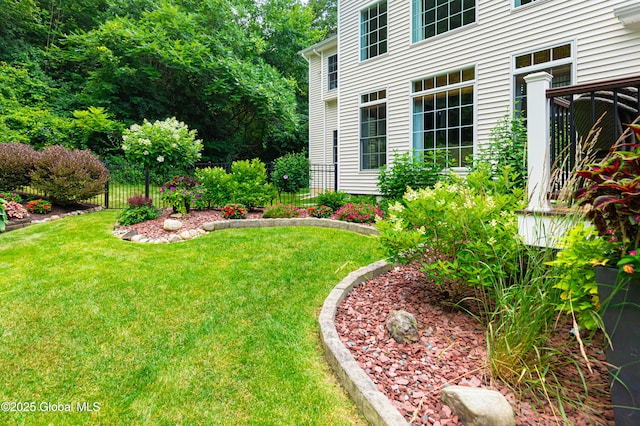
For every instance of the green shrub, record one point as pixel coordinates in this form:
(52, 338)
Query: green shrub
(507, 147)
(250, 186)
(332, 199)
(321, 212)
(68, 176)
(281, 210)
(410, 170)
(139, 209)
(574, 269)
(471, 222)
(17, 162)
(217, 186)
(358, 213)
(291, 172)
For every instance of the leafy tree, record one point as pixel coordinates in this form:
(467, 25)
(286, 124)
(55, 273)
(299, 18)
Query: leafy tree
(325, 15)
(199, 67)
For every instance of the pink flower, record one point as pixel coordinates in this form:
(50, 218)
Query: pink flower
(633, 252)
(611, 231)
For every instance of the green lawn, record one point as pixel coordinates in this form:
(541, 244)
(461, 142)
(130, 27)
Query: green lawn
(218, 330)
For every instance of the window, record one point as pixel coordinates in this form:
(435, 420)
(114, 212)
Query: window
(433, 17)
(373, 130)
(523, 2)
(557, 61)
(443, 116)
(373, 31)
(332, 72)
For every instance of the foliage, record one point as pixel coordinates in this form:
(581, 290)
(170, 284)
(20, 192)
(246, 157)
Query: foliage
(17, 162)
(291, 172)
(166, 61)
(332, 199)
(359, 213)
(613, 199)
(139, 209)
(39, 206)
(520, 326)
(37, 126)
(11, 196)
(161, 144)
(321, 212)
(281, 211)
(69, 176)
(15, 210)
(3, 215)
(216, 185)
(410, 170)
(507, 147)
(234, 211)
(250, 187)
(180, 192)
(96, 130)
(576, 277)
(471, 222)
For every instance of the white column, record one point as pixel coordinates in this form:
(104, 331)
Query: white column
(538, 142)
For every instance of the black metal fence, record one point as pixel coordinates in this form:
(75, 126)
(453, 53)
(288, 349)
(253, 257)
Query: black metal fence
(575, 110)
(127, 180)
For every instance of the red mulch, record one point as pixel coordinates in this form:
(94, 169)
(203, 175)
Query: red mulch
(452, 350)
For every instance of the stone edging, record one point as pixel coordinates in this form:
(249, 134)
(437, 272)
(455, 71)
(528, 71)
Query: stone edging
(246, 223)
(21, 223)
(372, 403)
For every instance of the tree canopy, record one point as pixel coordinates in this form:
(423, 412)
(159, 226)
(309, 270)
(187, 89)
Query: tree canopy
(78, 73)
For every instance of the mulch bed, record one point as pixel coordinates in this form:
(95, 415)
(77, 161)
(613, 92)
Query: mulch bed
(452, 351)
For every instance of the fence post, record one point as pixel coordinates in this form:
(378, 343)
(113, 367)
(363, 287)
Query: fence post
(106, 186)
(146, 183)
(538, 146)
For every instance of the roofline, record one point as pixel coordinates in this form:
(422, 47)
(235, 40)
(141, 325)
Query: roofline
(321, 45)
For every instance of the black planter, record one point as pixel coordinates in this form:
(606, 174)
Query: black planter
(621, 317)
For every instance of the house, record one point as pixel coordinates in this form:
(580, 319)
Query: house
(437, 75)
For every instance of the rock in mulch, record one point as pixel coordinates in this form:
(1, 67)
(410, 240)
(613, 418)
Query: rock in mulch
(403, 327)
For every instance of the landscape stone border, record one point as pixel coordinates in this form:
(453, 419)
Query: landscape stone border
(372, 403)
(180, 236)
(21, 223)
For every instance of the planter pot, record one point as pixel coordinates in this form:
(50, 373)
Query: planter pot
(621, 317)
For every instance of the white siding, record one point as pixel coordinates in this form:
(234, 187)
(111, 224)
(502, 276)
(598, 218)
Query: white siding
(604, 49)
(323, 117)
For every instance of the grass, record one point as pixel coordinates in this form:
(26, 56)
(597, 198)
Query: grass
(218, 330)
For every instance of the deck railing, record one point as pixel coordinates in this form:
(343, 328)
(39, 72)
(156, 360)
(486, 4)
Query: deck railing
(560, 123)
(576, 110)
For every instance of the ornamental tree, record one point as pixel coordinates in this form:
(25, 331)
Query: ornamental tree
(161, 145)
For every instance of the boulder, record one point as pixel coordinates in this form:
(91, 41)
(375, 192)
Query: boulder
(403, 326)
(129, 234)
(172, 225)
(478, 406)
